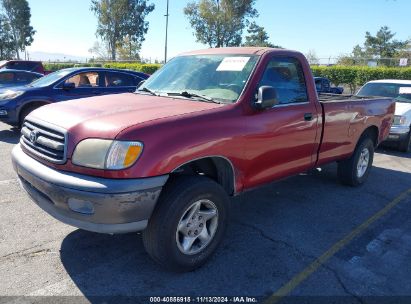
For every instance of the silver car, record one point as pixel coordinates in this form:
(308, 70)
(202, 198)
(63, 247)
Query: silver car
(400, 90)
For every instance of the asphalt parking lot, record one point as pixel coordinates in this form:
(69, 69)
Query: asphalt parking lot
(289, 238)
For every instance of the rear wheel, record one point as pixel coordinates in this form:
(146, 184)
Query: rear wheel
(188, 223)
(404, 145)
(354, 170)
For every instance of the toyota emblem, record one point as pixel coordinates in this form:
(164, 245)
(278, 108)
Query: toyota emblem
(33, 136)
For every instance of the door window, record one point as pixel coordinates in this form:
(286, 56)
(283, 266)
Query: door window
(286, 76)
(6, 78)
(84, 80)
(25, 78)
(120, 80)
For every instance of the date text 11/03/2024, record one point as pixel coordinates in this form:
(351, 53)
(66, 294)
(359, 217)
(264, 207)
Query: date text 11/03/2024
(238, 299)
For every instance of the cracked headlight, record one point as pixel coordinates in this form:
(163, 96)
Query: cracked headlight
(107, 154)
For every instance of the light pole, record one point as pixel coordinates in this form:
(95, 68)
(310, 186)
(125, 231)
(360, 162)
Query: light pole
(218, 24)
(165, 47)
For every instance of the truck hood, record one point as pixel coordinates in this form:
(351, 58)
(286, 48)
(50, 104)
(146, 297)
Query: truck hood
(403, 108)
(106, 116)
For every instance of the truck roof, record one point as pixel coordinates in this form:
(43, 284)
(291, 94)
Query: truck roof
(395, 81)
(236, 51)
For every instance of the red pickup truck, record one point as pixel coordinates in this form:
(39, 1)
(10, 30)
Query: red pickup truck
(208, 125)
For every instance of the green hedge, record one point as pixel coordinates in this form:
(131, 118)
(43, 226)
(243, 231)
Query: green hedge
(58, 66)
(139, 67)
(354, 76)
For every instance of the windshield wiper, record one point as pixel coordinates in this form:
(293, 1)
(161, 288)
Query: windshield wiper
(146, 90)
(191, 95)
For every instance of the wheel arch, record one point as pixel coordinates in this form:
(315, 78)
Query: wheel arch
(217, 167)
(373, 133)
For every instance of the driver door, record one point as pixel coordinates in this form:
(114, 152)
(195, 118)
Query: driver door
(282, 140)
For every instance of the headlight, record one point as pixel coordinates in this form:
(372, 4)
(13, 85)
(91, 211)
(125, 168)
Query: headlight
(107, 154)
(400, 120)
(10, 94)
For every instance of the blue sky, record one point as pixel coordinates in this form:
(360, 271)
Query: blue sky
(329, 27)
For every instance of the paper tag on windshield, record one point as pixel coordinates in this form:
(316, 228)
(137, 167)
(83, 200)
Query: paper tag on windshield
(233, 64)
(405, 90)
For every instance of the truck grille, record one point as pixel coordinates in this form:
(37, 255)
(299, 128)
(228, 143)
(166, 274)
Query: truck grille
(45, 141)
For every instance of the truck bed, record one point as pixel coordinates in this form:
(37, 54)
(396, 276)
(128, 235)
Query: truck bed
(344, 120)
(327, 97)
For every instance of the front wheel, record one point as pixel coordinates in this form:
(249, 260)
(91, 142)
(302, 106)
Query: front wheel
(354, 170)
(187, 224)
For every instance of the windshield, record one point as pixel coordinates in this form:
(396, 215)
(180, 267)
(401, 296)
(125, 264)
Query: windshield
(49, 79)
(400, 92)
(217, 77)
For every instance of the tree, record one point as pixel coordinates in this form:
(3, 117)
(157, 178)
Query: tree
(18, 16)
(118, 19)
(357, 56)
(312, 57)
(129, 50)
(6, 39)
(358, 52)
(258, 37)
(100, 50)
(383, 45)
(219, 23)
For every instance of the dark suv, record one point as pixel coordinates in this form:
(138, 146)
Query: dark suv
(63, 85)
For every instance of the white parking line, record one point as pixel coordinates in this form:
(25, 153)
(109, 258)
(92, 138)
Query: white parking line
(8, 181)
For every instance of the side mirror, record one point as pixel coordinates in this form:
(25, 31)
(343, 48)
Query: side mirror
(267, 98)
(69, 85)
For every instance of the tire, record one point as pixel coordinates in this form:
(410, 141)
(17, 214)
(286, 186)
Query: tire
(167, 228)
(350, 171)
(404, 145)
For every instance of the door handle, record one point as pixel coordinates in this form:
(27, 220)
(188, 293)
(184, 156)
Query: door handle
(308, 116)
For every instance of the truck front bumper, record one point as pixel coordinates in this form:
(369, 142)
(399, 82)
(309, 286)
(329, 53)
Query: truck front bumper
(398, 133)
(90, 203)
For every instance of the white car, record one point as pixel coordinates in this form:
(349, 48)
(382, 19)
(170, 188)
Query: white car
(400, 90)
